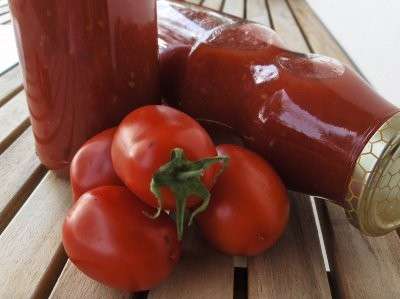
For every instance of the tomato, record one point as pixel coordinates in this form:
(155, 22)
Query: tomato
(107, 236)
(92, 166)
(164, 157)
(249, 206)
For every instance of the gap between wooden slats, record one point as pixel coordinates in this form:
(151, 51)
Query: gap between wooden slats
(257, 11)
(194, 1)
(213, 4)
(313, 29)
(20, 172)
(14, 118)
(293, 268)
(4, 9)
(202, 273)
(234, 7)
(362, 267)
(10, 84)
(5, 18)
(296, 260)
(31, 255)
(286, 26)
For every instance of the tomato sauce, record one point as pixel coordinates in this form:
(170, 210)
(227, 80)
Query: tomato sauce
(309, 115)
(86, 65)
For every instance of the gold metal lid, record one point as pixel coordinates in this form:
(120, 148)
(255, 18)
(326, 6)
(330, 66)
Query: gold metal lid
(374, 189)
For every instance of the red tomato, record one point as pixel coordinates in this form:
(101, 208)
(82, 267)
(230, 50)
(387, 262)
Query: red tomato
(249, 206)
(92, 166)
(107, 236)
(144, 142)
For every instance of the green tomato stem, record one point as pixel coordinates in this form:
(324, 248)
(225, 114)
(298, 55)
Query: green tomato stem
(183, 178)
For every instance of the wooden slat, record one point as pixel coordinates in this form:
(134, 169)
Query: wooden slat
(202, 273)
(319, 38)
(234, 7)
(31, 253)
(213, 4)
(257, 12)
(14, 119)
(5, 18)
(284, 23)
(194, 1)
(10, 84)
(363, 267)
(4, 9)
(294, 267)
(74, 284)
(20, 171)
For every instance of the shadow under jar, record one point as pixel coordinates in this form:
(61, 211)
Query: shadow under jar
(86, 64)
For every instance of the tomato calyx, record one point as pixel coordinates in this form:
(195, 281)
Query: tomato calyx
(183, 178)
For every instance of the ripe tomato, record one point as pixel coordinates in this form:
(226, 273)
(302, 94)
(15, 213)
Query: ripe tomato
(92, 166)
(107, 236)
(141, 154)
(249, 207)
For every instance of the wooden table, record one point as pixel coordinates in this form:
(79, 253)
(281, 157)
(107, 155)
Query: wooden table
(34, 201)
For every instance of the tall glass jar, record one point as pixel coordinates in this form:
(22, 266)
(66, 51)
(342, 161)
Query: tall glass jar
(86, 64)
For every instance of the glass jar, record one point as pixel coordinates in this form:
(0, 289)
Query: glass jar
(321, 126)
(86, 64)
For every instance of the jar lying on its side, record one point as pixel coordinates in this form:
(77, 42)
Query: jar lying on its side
(324, 129)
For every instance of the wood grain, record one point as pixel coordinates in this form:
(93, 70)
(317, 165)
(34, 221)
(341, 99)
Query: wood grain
(257, 12)
(234, 7)
(285, 24)
(10, 84)
(213, 4)
(319, 38)
(74, 284)
(294, 267)
(202, 273)
(363, 267)
(14, 119)
(20, 172)
(31, 252)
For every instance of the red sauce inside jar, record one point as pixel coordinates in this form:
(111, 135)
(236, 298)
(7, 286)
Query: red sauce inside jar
(308, 114)
(86, 65)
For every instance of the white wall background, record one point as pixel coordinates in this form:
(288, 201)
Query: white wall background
(369, 30)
